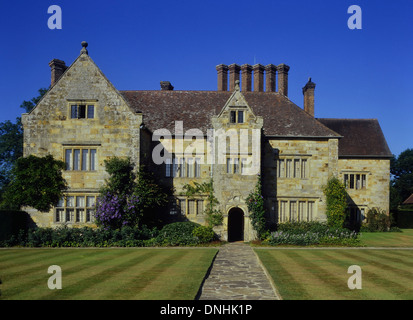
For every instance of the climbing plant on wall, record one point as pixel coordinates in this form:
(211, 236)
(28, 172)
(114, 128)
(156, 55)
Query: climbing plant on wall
(214, 216)
(255, 203)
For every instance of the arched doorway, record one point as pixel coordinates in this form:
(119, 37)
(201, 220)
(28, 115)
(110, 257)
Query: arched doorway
(235, 225)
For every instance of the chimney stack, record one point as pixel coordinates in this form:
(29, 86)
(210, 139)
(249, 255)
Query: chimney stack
(234, 70)
(166, 86)
(308, 92)
(270, 73)
(258, 77)
(246, 70)
(283, 79)
(222, 72)
(58, 67)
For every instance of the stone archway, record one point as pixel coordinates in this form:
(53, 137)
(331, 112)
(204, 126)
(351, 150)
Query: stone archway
(235, 225)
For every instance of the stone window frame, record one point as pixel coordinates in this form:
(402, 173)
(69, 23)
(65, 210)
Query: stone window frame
(283, 206)
(182, 206)
(235, 114)
(355, 180)
(236, 164)
(183, 167)
(85, 103)
(287, 167)
(69, 211)
(81, 148)
(357, 211)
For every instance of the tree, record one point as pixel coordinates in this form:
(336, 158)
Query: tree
(401, 187)
(336, 202)
(128, 198)
(11, 141)
(35, 182)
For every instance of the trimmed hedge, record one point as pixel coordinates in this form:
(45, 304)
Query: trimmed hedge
(312, 233)
(174, 234)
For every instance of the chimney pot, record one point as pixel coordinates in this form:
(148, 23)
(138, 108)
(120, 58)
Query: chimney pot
(58, 67)
(283, 79)
(222, 73)
(308, 92)
(166, 86)
(258, 77)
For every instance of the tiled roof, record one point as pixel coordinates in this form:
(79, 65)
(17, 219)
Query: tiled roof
(195, 108)
(409, 200)
(361, 137)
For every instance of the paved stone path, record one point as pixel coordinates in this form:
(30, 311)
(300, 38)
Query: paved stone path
(237, 274)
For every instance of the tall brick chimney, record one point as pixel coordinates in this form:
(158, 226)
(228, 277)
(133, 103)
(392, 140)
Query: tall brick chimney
(258, 77)
(58, 67)
(234, 70)
(283, 79)
(246, 70)
(222, 73)
(308, 92)
(270, 74)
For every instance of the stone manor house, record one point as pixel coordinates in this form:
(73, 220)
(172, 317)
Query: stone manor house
(83, 120)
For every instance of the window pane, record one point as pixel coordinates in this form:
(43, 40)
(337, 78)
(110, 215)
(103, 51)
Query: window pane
(89, 215)
(293, 211)
(69, 214)
(59, 215)
(236, 165)
(79, 215)
(90, 201)
(68, 159)
(240, 116)
(70, 201)
(190, 168)
(73, 112)
(191, 206)
(61, 203)
(90, 111)
(76, 158)
(303, 168)
(80, 201)
(182, 205)
(232, 117)
(288, 168)
(197, 167)
(82, 112)
(92, 159)
(296, 168)
(85, 159)
(181, 167)
(229, 169)
(167, 167)
(200, 209)
(363, 181)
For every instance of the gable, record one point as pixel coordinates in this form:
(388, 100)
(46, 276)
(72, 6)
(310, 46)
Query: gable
(361, 137)
(82, 81)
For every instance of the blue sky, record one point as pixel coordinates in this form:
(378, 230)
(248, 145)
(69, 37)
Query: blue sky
(365, 73)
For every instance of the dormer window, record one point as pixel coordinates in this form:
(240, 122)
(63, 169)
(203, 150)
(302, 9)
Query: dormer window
(82, 111)
(236, 116)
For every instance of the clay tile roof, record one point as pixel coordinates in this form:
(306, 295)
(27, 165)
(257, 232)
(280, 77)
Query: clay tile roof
(409, 200)
(195, 108)
(361, 137)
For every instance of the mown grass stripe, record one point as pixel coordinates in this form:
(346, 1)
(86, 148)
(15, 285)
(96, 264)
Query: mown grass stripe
(288, 283)
(329, 280)
(25, 256)
(140, 285)
(110, 265)
(396, 256)
(373, 272)
(22, 283)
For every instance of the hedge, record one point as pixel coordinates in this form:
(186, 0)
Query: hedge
(11, 222)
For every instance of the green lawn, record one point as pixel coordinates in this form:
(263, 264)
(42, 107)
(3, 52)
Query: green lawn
(388, 239)
(131, 273)
(321, 274)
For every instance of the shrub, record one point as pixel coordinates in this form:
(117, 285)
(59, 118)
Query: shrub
(336, 202)
(255, 203)
(177, 234)
(204, 234)
(377, 221)
(312, 233)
